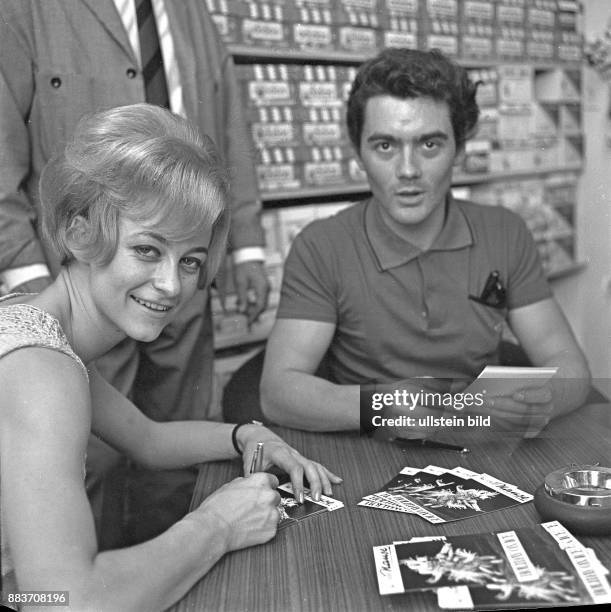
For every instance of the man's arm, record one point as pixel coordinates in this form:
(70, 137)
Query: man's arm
(291, 394)
(545, 335)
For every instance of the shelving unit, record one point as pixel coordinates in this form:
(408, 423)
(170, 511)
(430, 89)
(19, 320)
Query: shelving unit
(526, 52)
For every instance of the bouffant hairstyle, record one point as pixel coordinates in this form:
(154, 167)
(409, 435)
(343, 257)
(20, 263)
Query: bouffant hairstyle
(410, 73)
(141, 162)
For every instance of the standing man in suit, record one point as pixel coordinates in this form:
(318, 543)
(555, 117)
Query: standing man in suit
(61, 59)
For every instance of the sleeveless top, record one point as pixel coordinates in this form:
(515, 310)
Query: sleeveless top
(23, 326)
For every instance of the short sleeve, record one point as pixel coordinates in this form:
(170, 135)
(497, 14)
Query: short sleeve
(308, 289)
(527, 280)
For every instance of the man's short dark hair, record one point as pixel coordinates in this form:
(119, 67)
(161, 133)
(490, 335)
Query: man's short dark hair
(410, 73)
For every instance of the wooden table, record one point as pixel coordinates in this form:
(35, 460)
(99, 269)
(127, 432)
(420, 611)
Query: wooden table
(325, 563)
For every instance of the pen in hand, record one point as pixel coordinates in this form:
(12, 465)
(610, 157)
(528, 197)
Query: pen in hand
(256, 465)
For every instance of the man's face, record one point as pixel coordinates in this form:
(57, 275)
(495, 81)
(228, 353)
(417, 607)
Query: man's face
(408, 150)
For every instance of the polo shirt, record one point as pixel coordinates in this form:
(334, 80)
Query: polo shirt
(401, 312)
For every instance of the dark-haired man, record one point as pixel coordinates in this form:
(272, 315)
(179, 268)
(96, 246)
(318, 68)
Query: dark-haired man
(412, 284)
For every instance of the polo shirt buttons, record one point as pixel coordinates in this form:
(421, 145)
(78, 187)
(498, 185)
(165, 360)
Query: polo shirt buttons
(56, 82)
(131, 73)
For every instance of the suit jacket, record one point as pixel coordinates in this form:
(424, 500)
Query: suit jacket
(60, 59)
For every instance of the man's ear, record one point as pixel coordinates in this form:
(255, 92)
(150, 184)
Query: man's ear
(78, 236)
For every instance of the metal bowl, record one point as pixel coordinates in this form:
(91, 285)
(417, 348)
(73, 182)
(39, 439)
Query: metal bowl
(579, 496)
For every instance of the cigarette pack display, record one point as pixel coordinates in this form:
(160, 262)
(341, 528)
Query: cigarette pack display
(313, 36)
(510, 13)
(510, 43)
(569, 47)
(540, 44)
(357, 39)
(271, 177)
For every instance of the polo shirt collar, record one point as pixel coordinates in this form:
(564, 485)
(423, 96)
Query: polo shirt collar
(392, 251)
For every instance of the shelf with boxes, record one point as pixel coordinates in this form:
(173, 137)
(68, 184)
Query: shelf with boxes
(296, 59)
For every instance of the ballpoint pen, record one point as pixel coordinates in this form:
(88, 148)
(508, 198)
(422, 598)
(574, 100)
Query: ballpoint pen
(256, 465)
(432, 444)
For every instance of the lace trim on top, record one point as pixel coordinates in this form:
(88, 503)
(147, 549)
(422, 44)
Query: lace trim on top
(23, 325)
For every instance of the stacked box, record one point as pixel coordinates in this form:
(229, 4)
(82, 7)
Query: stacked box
(541, 30)
(570, 118)
(477, 156)
(569, 41)
(312, 25)
(510, 30)
(546, 206)
(266, 84)
(297, 118)
(558, 85)
(251, 22)
(227, 16)
(546, 152)
(546, 119)
(399, 23)
(561, 189)
(439, 26)
(477, 30)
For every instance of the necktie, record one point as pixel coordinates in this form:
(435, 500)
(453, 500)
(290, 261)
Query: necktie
(155, 86)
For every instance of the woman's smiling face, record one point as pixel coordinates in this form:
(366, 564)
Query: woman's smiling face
(148, 279)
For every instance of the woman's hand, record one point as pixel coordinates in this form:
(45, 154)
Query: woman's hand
(277, 452)
(246, 510)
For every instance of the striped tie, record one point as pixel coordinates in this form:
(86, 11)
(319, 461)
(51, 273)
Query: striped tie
(155, 85)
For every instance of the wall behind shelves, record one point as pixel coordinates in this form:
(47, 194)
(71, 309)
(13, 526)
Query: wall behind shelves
(586, 298)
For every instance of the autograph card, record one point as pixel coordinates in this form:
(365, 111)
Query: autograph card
(440, 495)
(293, 512)
(531, 567)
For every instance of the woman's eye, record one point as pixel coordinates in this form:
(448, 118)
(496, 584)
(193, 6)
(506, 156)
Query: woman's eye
(192, 263)
(146, 251)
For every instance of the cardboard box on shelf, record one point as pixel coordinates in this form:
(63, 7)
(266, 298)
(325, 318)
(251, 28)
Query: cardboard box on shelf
(488, 124)
(477, 156)
(569, 47)
(571, 150)
(546, 119)
(540, 45)
(274, 177)
(313, 36)
(546, 153)
(510, 43)
(558, 85)
(561, 189)
(570, 118)
(228, 27)
(515, 84)
(541, 14)
(515, 122)
(357, 39)
(327, 133)
(510, 13)
(274, 134)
